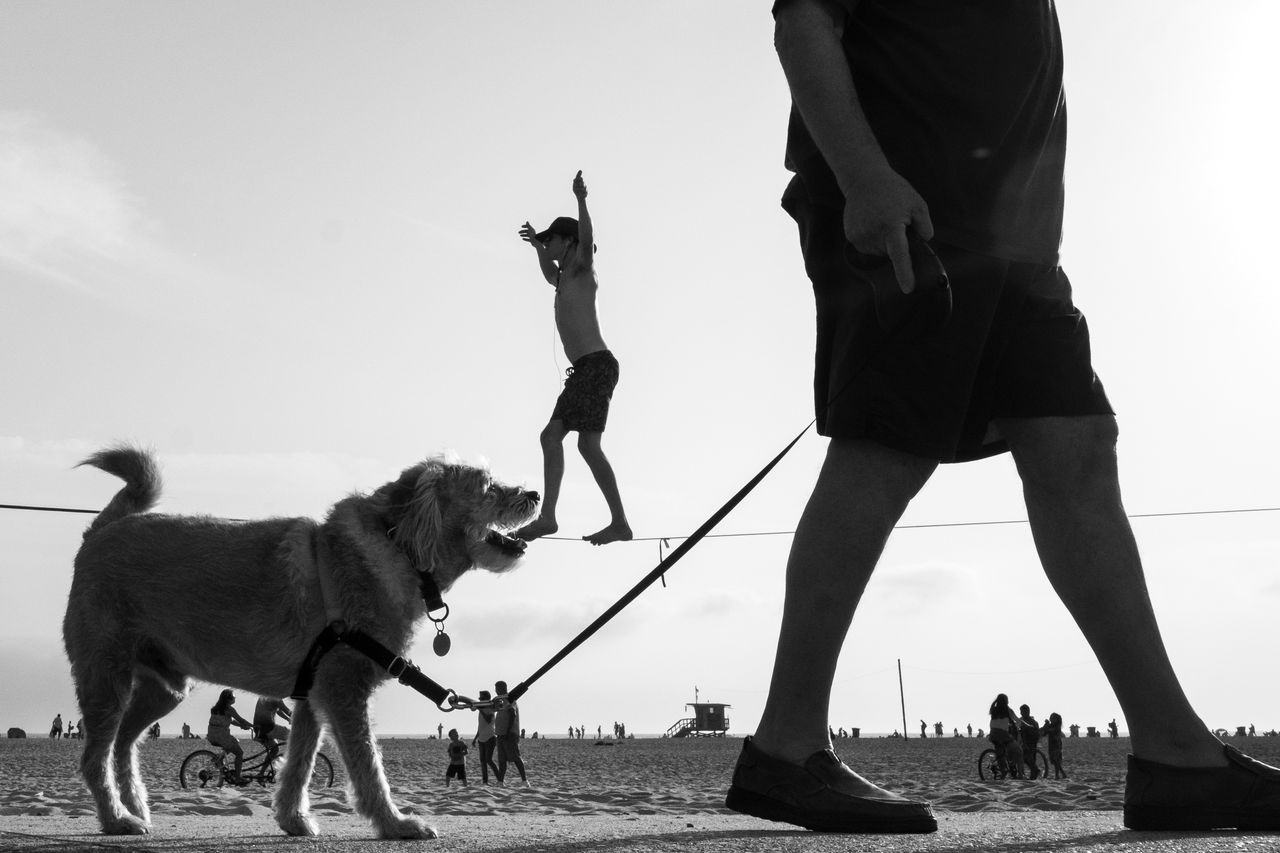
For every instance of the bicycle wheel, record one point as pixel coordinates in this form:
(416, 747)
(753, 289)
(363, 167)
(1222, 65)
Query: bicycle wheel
(202, 769)
(1043, 762)
(988, 766)
(321, 772)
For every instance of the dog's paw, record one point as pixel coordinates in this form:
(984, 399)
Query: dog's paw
(407, 827)
(126, 824)
(297, 823)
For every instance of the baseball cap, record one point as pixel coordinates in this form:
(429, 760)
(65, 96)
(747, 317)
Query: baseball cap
(565, 226)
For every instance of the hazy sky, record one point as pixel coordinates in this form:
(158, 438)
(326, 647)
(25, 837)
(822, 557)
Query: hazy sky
(277, 243)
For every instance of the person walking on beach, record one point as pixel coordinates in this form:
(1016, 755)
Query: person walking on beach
(457, 751)
(566, 257)
(506, 724)
(935, 121)
(1053, 738)
(486, 739)
(55, 729)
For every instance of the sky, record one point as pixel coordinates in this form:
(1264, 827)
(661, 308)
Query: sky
(278, 244)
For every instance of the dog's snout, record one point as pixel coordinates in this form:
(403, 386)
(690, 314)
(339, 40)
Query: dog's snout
(533, 496)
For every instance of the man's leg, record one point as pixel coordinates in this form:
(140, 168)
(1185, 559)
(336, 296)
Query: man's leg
(618, 529)
(1071, 484)
(787, 772)
(861, 492)
(552, 440)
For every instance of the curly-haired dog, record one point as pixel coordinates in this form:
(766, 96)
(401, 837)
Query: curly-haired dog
(158, 600)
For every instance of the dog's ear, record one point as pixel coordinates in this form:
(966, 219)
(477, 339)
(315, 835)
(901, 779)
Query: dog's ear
(419, 531)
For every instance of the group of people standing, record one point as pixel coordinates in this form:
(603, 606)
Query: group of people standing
(74, 730)
(1017, 736)
(497, 732)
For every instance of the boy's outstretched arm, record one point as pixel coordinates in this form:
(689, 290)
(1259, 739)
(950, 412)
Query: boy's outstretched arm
(549, 270)
(586, 236)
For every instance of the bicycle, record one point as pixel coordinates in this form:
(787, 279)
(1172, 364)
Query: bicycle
(205, 768)
(989, 766)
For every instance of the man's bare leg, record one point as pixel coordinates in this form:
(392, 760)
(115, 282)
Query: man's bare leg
(552, 440)
(861, 493)
(1071, 484)
(618, 530)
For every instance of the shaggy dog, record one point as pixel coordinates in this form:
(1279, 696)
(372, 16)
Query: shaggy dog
(159, 600)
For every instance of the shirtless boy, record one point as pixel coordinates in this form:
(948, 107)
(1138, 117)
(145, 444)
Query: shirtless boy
(566, 257)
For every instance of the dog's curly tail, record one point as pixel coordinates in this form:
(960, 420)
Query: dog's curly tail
(141, 478)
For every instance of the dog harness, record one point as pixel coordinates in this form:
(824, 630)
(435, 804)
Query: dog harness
(396, 666)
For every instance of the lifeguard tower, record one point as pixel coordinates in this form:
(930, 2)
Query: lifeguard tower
(708, 720)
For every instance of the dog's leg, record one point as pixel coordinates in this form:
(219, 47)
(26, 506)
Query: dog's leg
(345, 704)
(101, 691)
(292, 800)
(149, 701)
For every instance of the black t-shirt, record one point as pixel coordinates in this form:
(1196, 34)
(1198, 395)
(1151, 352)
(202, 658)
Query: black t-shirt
(965, 98)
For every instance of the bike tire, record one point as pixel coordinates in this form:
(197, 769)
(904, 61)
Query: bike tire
(988, 767)
(202, 769)
(321, 772)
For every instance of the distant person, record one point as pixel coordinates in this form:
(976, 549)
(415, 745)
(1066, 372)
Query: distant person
(1053, 738)
(1113, 728)
(1004, 725)
(55, 729)
(937, 729)
(1029, 734)
(222, 716)
(186, 731)
(457, 759)
(486, 739)
(566, 256)
(1075, 729)
(439, 731)
(506, 724)
(969, 728)
(923, 730)
(154, 732)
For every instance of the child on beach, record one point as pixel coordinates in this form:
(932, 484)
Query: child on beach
(566, 254)
(1053, 735)
(457, 759)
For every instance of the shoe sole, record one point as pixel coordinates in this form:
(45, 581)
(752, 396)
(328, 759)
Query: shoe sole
(1156, 818)
(758, 805)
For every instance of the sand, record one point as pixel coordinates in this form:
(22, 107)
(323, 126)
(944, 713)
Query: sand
(635, 795)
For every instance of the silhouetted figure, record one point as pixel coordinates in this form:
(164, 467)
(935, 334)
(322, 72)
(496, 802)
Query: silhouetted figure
(1029, 734)
(1053, 737)
(1004, 725)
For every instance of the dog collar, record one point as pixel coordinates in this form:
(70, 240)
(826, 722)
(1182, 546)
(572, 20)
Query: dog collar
(435, 601)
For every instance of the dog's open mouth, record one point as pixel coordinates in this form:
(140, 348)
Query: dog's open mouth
(508, 545)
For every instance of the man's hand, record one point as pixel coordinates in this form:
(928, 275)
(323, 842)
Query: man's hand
(530, 236)
(579, 186)
(877, 214)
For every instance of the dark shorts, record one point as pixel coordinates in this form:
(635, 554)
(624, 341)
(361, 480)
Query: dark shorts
(1015, 347)
(456, 771)
(583, 405)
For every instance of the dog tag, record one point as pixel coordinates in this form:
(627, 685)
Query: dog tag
(441, 644)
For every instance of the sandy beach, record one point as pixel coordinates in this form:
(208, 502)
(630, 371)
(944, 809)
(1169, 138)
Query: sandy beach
(644, 794)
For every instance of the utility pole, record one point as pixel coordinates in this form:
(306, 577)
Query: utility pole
(903, 698)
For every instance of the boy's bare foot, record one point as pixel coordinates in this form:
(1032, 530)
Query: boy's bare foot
(618, 531)
(538, 527)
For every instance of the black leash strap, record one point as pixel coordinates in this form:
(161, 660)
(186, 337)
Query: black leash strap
(659, 571)
(396, 666)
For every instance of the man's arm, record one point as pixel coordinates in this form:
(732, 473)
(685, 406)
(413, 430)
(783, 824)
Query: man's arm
(549, 270)
(879, 203)
(586, 235)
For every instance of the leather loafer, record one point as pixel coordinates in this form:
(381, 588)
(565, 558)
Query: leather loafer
(1243, 795)
(823, 794)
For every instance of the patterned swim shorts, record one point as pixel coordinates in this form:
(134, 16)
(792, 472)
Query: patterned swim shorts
(583, 405)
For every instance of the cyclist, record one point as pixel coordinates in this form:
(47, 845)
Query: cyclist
(266, 730)
(221, 718)
(1004, 724)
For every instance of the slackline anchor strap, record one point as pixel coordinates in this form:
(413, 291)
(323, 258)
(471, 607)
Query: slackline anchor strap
(645, 582)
